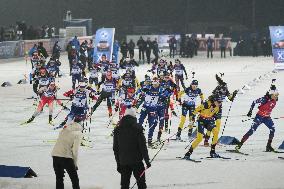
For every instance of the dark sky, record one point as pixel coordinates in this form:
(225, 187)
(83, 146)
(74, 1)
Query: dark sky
(125, 13)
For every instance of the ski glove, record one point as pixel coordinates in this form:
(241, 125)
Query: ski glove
(148, 164)
(249, 113)
(234, 95)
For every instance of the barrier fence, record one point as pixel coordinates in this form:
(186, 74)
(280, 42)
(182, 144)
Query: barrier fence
(15, 49)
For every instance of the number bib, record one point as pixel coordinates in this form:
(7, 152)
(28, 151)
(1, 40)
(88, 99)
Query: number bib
(189, 100)
(43, 81)
(80, 100)
(151, 100)
(178, 72)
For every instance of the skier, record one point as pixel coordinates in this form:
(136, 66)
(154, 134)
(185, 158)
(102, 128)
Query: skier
(222, 91)
(48, 96)
(79, 107)
(94, 75)
(153, 108)
(128, 80)
(126, 100)
(144, 86)
(188, 105)
(108, 93)
(76, 72)
(104, 65)
(168, 84)
(267, 104)
(206, 120)
(179, 70)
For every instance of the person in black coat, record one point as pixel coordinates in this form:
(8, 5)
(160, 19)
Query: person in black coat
(124, 49)
(156, 51)
(129, 146)
(148, 48)
(141, 47)
(131, 46)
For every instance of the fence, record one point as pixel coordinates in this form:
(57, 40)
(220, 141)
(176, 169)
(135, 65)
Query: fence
(14, 49)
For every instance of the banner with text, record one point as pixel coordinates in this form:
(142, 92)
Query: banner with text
(103, 44)
(277, 42)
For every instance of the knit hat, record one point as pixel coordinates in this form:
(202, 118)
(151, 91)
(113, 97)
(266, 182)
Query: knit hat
(130, 111)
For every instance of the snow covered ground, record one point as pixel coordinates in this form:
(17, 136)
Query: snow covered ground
(25, 146)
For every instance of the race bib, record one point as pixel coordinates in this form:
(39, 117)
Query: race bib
(151, 100)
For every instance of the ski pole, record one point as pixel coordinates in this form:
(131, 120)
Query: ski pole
(227, 118)
(253, 118)
(61, 109)
(140, 176)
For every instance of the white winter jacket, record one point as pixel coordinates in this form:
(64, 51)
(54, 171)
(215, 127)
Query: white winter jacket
(68, 142)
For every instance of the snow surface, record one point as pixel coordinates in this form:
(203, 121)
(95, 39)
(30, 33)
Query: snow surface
(24, 146)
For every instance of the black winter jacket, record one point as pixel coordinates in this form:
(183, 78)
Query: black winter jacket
(129, 143)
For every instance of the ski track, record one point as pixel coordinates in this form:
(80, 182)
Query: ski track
(24, 146)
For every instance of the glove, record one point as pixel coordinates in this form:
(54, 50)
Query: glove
(174, 113)
(76, 168)
(64, 107)
(186, 78)
(116, 108)
(71, 97)
(234, 95)
(148, 164)
(118, 168)
(249, 113)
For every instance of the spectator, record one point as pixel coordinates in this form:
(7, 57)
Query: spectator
(148, 47)
(129, 146)
(41, 50)
(209, 44)
(172, 45)
(156, 50)
(123, 49)
(196, 45)
(131, 47)
(65, 154)
(240, 46)
(223, 45)
(230, 47)
(264, 46)
(141, 47)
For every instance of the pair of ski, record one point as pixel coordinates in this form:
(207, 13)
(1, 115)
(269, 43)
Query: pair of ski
(199, 161)
(238, 152)
(26, 124)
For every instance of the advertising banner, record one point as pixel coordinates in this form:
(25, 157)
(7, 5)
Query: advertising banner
(103, 43)
(11, 49)
(277, 42)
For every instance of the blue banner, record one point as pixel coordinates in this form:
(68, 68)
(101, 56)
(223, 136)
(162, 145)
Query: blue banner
(277, 42)
(11, 49)
(103, 44)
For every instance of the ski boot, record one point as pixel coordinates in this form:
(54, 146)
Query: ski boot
(31, 119)
(50, 120)
(238, 147)
(159, 136)
(150, 144)
(188, 154)
(178, 134)
(269, 148)
(213, 154)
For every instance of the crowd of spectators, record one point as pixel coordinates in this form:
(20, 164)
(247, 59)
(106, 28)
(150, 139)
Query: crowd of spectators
(21, 31)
